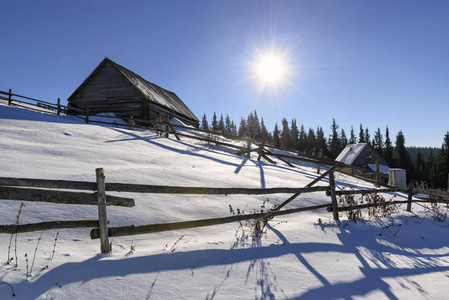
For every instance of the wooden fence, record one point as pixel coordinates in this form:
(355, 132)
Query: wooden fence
(48, 190)
(36, 104)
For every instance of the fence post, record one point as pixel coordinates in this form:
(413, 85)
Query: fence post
(410, 196)
(9, 97)
(377, 171)
(333, 195)
(320, 155)
(87, 115)
(248, 145)
(59, 106)
(102, 216)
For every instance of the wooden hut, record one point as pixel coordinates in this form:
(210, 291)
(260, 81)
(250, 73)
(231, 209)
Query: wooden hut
(363, 155)
(111, 88)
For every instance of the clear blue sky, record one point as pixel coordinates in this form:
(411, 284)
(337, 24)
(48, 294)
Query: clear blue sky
(372, 62)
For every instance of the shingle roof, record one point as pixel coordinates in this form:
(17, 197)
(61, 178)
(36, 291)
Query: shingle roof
(155, 93)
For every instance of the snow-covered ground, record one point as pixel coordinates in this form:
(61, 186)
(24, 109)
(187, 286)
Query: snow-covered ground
(302, 256)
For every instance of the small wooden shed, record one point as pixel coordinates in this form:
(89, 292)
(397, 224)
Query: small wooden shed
(111, 88)
(363, 155)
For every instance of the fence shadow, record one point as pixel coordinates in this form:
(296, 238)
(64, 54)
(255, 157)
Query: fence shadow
(355, 241)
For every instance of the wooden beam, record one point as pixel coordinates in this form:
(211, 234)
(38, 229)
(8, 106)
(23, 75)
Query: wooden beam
(48, 226)
(307, 186)
(142, 229)
(48, 183)
(347, 208)
(364, 192)
(137, 188)
(62, 197)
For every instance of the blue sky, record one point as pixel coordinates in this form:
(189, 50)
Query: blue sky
(377, 63)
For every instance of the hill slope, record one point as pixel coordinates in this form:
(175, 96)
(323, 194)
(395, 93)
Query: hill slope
(405, 255)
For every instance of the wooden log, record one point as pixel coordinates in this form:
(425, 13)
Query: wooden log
(333, 196)
(320, 156)
(154, 189)
(410, 197)
(48, 183)
(347, 208)
(279, 157)
(102, 214)
(267, 158)
(377, 171)
(142, 229)
(364, 192)
(307, 186)
(48, 226)
(62, 197)
(136, 188)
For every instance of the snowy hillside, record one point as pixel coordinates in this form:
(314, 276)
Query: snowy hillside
(302, 256)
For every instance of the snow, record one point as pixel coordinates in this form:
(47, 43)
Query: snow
(301, 256)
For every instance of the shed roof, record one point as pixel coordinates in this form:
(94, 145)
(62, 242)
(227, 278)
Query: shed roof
(149, 91)
(350, 153)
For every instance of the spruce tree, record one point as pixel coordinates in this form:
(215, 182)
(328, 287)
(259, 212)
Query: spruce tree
(388, 148)
(285, 135)
(214, 122)
(302, 139)
(367, 136)
(276, 136)
(264, 132)
(228, 125)
(242, 127)
(204, 124)
(221, 124)
(257, 127)
(361, 134)
(334, 141)
(321, 143)
(294, 136)
(378, 141)
(311, 141)
(401, 156)
(344, 139)
(442, 163)
(352, 137)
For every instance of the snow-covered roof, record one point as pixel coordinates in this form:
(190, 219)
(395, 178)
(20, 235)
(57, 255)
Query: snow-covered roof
(350, 153)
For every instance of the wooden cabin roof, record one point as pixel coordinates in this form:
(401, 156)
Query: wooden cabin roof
(148, 90)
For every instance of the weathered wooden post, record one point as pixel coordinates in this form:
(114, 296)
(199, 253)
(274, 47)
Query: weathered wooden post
(59, 106)
(377, 171)
(410, 196)
(9, 97)
(320, 155)
(87, 115)
(333, 195)
(102, 216)
(248, 145)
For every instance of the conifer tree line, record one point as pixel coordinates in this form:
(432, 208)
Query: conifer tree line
(293, 137)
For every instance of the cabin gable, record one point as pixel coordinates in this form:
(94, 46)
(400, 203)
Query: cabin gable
(113, 88)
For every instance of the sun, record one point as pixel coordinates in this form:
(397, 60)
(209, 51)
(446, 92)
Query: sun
(271, 69)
